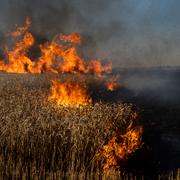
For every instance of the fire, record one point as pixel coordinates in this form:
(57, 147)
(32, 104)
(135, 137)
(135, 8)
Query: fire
(61, 56)
(18, 62)
(112, 84)
(69, 93)
(73, 63)
(73, 38)
(22, 29)
(97, 68)
(57, 57)
(120, 147)
(48, 53)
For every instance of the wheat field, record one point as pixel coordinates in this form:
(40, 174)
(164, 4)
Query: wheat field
(39, 140)
(42, 141)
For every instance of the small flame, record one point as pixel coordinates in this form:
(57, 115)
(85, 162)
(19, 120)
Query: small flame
(112, 84)
(97, 68)
(120, 147)
(73, 38)
(22, 29)
(48, 53)
(72, 63)
(69, 94)
(18, 62)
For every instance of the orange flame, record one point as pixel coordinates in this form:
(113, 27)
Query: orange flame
(57, 57)
(112, 84)
(22, 29)
(120, 147)
(96, 67)
(46, 61)
(72, 63)
(18, 62)
(69, 94)
(73, 38)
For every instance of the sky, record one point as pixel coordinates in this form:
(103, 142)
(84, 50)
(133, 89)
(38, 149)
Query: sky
(127, 32)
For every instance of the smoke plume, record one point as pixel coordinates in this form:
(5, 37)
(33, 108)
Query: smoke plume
(128, 32)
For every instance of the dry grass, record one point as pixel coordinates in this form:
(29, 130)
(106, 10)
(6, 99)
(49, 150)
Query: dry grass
(40, 140)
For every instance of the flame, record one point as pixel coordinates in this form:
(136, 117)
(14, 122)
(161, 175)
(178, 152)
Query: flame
(96, 67)
(18, 62)
(61, 56)
(22, 29)
(48, 53)
(57, 57)
(73, 38)
(112, 83)
(120, 147)
(17, 59)
(73, 63)
(69, 93)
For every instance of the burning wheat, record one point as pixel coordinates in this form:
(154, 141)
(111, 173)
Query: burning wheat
(38, 137)
(58, 57)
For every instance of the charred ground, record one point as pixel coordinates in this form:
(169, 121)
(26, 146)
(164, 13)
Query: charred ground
(156, 92)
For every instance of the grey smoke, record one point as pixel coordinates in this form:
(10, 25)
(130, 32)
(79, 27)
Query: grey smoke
(128, 32)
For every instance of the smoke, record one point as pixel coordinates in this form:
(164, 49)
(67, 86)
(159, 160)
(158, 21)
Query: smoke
(154, 86)
(131, 33)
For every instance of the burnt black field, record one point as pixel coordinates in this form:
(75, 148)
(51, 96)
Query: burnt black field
(156, 91)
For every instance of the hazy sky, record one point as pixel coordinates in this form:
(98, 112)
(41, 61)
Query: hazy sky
(129, 32)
